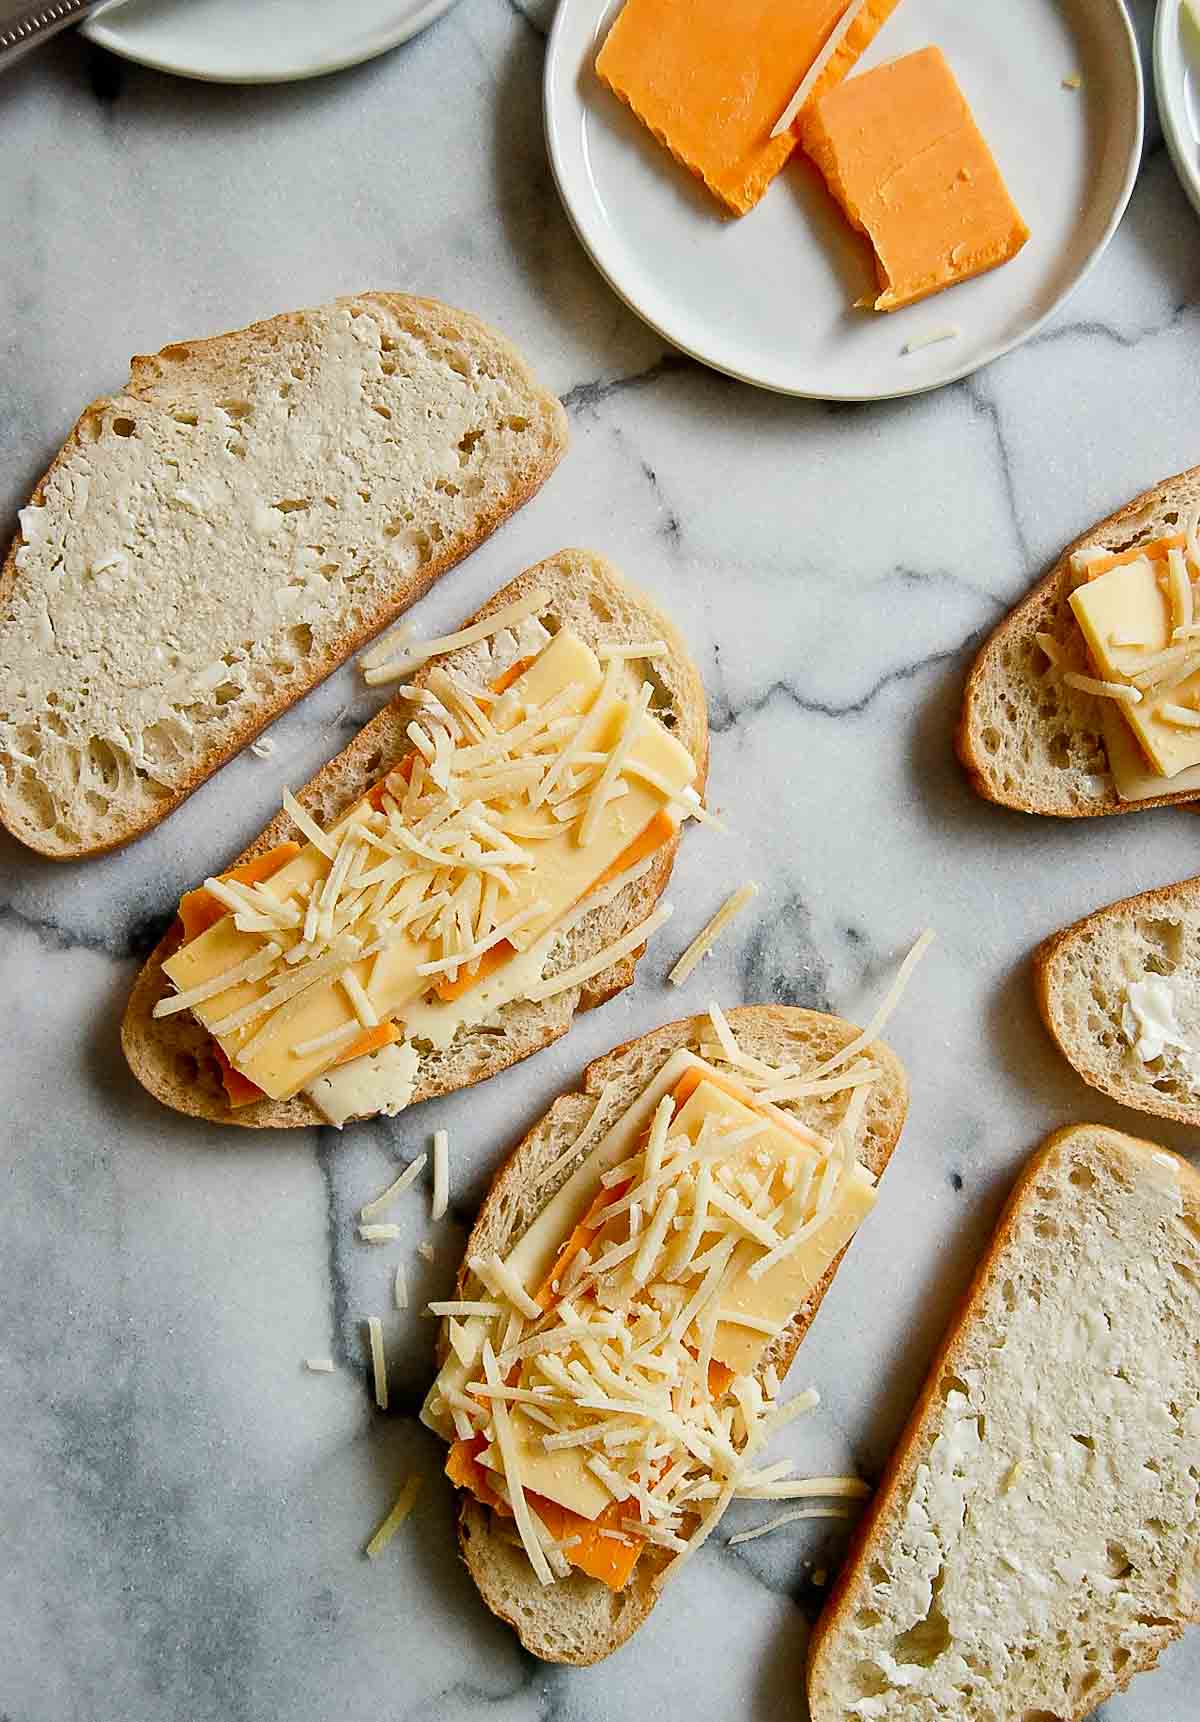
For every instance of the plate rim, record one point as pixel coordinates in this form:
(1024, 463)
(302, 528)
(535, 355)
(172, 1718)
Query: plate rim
(102, 35)
(1166, 18)
(1118, 8)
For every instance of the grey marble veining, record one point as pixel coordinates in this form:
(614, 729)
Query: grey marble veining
(183, 1509)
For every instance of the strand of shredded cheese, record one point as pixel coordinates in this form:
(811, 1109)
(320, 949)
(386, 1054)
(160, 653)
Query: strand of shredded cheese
(590, 966)
(396, 1188)
(402, 1507)
(790, 1518)
(1122, 692)
(874, 1028)
(378, 1361)
(708, 935)
(441, 1174)
(832, 43)
(378, 668)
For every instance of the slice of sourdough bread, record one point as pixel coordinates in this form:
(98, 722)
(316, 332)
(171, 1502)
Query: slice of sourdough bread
(1084, 976)
(1026, 738)
(579, 1620)
(218, 537)
(172, 1056)
(1036, 1539)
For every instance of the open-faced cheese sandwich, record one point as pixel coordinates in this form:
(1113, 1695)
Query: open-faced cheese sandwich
(219, 536)
(1035, 1541)
(1120, 993)
(636, 1285)
(481, 862)
(1086, 699)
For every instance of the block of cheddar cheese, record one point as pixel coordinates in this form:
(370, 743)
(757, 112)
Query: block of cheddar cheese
(710, 78)
(903, 156)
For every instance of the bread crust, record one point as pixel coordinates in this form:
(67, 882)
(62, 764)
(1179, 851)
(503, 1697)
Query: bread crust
(1041, 610)
(172, 1056)
(504, 1578)
(1060, 951)
(205, 354)
(868, 1541)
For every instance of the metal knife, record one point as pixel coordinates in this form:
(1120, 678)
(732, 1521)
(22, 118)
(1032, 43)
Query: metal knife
(26, 24)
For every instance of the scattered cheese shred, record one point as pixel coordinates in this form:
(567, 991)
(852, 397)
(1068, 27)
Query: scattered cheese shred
(708, 935)
(319, 1365)
(932, 338)
(379, 1234)
(638, 649)
(402, 1507)
(591, 966)
(1119, 691)
(584, 1141)
(873, 1029)
(378, 1361)
(1183, 717)
(400, 1287)
(378, 668)
(789, 1518)
(832, 43)
(263, 747)
(409, 1176)
(305, 823)
(253, 969)
(1073, 81)
(441, 1174)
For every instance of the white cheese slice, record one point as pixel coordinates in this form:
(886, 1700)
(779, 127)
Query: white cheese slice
(379, 1082)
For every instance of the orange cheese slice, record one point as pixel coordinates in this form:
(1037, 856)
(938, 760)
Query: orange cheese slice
(660, 830)
(606, 1557)
(710, 78)
(903, 156)
(1155, 551)
(199, 909)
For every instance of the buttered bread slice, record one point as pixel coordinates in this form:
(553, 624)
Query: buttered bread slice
(481, 862)
(1036, 1540)
(218, 537)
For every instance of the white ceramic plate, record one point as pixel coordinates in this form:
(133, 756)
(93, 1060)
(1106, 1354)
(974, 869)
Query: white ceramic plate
(258, 41)
(768, 297)
(1177, 81)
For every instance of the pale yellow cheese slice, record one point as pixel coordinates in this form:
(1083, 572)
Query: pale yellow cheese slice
(562, 874)
(1129, 603)
(563, 1476)
(1126, 603)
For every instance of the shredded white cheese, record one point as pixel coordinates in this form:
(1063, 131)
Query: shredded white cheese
(591, 966)
(409, 1176)
(384, 1234)
(789, 1518)
(400, 1287)
(932, 338)
(401, 1509)
(708, 935)
(319, 1365)
(378, 1361)
(1122, 692)
(441, 1174)
(379, 667)
(832, 43)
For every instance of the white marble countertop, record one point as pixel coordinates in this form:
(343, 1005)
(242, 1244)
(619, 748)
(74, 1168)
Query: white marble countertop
(183, 1507)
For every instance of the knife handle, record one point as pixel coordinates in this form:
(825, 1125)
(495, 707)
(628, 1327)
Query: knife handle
(28, 26)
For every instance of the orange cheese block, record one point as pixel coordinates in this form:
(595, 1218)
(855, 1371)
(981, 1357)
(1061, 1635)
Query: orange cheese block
(904, 158)
(710, 78)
